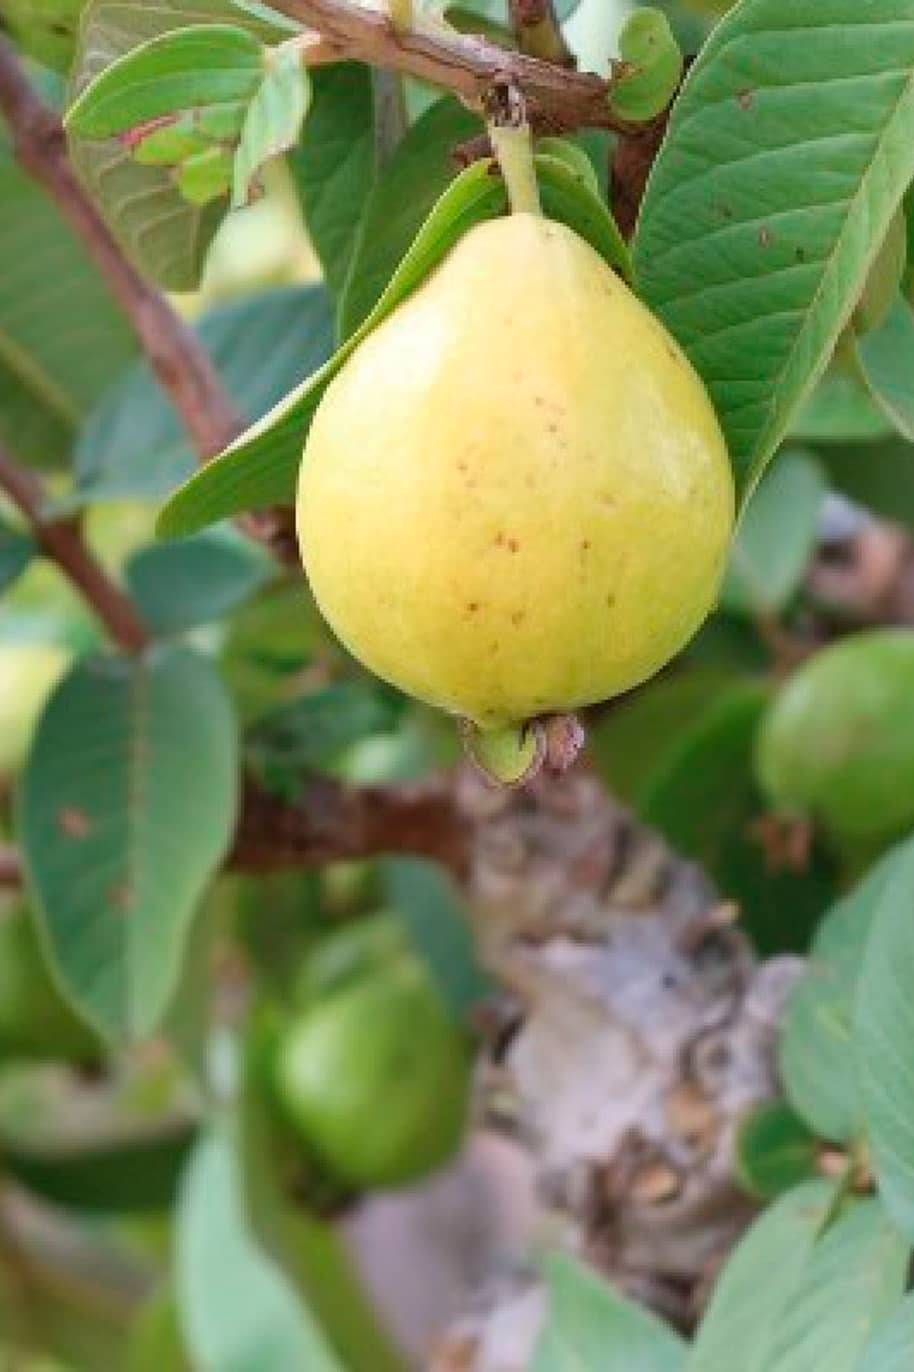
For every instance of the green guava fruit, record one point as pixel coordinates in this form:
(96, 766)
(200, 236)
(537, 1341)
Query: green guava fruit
(837, 743)
(376, 1078)
(515, 497)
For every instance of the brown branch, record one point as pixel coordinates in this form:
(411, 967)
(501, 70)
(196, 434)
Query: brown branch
(11, 875)
(557, 99)
(331, 821)
(62, 541)
(538, 31)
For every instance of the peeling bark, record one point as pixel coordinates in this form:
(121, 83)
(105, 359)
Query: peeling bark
(636, 1030)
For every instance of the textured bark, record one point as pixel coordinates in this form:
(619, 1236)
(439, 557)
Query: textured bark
(637, 1029)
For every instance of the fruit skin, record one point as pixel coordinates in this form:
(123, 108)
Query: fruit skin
(28, 674)
(35, 1020)
(515, 497)
(837, 743)
(376, 1078)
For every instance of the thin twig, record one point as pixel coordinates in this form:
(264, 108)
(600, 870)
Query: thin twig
(62, 541)
(557, 99)
(11, 875)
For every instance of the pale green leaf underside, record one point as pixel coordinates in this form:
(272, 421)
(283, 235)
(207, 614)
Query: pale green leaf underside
(164, 234)
(887, 363)
(274, 118)
(590, 1325)
(238, 1311)
(127, 806)
(262, 467)
(788, 153)
(891, 1349)
(884, 1040)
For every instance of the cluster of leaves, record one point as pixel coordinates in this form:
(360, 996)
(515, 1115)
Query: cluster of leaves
(773, 242)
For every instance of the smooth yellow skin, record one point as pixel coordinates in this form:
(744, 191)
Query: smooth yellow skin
(515, 497)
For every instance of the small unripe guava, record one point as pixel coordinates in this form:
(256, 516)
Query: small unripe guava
(515, 497)
(375, 1077)
(837, 743)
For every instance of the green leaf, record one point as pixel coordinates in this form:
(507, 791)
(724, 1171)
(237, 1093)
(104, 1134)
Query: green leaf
(788, 152)
(432, 909)
(883, 1038)
(261, 468)
(162, 232)
(759, 1282)
(653, 66)
(887, 361)
(704, 799)
(333, 166)
(816, 1050)
(839, 410)
(127, 807)
(62, 338)
(274, 119)
(16, 552)
(631, 742)
(776, 538)
(209, 64)
(891, 1348)
(196, 580)
(774, 1151)
(134, 444)
(116, 1175)
(45, 29)
(592, 1328)
(853, 1278)
(879, 476)
(312, 731)
(399, 203)
(238, 1311)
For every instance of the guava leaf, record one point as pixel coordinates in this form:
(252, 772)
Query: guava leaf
(62, 337)
(127, 806)
(887, 364)
(208, 64)
(817, 1061)
(135, 446)
(261, 468)
(774, 1150)
(274, 118)
(883, 1039)
(237, 1308)
(333, 165)
(591, 1325)
(196, 580)
(788, 152)
(891, 1348)
(161, 231)
(16, 552)
(776, 538)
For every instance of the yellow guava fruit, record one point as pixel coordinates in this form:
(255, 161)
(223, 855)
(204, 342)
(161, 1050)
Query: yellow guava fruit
(515, 497)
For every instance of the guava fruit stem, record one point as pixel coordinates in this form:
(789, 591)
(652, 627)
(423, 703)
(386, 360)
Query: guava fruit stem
(513, 148)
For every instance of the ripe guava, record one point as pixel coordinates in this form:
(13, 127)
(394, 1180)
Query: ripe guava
(35, 1020)
(28, 674)
(837, 743)
(515, 497)
(376, 1078)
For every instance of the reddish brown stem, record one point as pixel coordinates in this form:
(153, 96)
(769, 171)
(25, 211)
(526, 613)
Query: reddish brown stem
(330, 821)
(557, 99)
(11, 875)
(62, 541)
